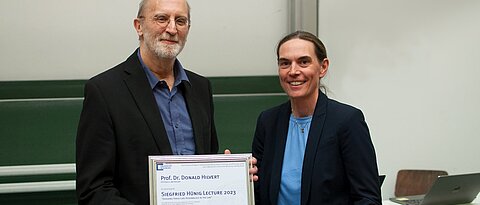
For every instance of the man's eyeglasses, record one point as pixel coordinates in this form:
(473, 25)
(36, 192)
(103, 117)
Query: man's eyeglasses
(164, 21)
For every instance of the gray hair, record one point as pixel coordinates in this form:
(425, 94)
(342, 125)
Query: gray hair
(141, 7)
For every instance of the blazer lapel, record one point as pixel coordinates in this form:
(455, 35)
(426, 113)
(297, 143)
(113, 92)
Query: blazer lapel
(314, 137)
(195, 116)
(137, 83)
(280, 142)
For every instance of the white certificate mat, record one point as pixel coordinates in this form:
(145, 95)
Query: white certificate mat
(200, 180)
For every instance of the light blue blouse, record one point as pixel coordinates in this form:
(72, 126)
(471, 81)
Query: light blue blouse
(291, 179)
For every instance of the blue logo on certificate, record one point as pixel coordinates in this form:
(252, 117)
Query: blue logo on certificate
(161, 166)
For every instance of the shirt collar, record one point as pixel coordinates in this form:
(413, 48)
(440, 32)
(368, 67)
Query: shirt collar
(180, 74)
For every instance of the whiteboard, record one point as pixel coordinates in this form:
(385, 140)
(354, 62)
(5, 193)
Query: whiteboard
(66, 39)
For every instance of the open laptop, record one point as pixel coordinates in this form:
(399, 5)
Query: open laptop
(447, 189)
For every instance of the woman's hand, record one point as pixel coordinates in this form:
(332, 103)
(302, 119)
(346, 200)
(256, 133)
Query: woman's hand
(253, 170)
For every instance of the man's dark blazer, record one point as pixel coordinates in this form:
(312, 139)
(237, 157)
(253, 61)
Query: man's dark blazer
(339, 165)
(121, 125)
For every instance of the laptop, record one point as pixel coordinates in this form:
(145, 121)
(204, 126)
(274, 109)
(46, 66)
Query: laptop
(447, 189)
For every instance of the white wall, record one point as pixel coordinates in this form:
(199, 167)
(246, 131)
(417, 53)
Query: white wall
(235, 37)
(66, 39)
(413, 68)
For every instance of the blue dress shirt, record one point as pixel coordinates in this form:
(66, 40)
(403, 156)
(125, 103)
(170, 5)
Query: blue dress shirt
(173, 109)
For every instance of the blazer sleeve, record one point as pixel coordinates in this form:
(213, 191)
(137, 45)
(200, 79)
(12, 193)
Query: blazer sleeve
(95, 152)
(258, 153)
(258, 141)
(359, 160)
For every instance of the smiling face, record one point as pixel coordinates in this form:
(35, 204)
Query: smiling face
(163, 27)
(300, 70)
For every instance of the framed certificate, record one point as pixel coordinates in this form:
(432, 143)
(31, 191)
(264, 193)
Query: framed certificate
(201, 180)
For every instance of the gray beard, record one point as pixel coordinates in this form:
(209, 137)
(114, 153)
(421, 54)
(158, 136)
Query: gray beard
(167, 51)
(162, 50)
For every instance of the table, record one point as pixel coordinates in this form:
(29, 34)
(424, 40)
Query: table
(474, 202)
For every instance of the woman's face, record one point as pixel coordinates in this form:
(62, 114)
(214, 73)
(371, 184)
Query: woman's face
(299, 69)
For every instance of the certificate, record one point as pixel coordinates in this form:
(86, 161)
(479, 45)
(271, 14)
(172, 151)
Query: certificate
(200, 180)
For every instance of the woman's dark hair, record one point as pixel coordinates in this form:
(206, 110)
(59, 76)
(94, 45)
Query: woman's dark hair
(320, 50)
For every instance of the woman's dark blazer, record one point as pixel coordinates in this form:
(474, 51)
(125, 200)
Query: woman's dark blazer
(339, 165)
(120, 126)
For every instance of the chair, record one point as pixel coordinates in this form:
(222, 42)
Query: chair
(415, 182)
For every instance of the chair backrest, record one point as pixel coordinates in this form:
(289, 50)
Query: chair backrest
(415, 182)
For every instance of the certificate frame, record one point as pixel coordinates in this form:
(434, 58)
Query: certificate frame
(200, 179)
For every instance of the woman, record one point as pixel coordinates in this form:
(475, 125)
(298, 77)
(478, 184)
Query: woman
(311, 149)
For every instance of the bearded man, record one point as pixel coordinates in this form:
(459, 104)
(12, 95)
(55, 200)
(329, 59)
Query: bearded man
(147, 105)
